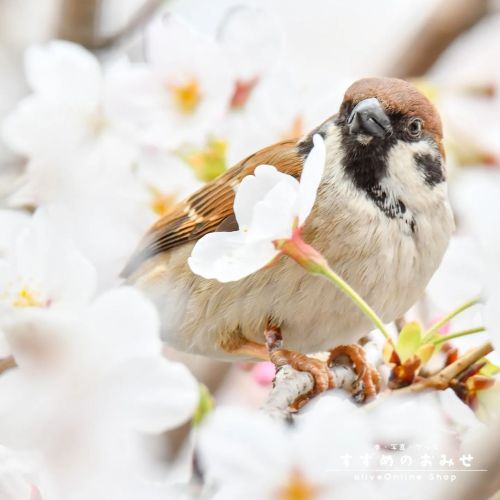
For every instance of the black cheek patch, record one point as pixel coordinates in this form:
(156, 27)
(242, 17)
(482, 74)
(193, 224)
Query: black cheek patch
(431, 167)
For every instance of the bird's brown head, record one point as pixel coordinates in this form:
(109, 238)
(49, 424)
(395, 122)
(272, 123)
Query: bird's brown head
(387, 124)
(384, 107)
(388, 137)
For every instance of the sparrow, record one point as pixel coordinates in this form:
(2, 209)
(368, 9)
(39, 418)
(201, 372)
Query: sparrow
(381, 218)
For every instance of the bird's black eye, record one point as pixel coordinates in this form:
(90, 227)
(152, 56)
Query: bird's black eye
(414, 128)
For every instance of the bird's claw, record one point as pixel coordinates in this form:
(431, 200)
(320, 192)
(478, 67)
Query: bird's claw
(367, 384)
(319, 370)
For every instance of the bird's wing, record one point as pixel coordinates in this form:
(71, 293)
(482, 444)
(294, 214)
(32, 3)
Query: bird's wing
(211, 208)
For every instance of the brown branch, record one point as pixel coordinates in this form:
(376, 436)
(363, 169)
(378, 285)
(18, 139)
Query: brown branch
(136, 22)
(400, 323)
(446, 24)
(442, 379)
(78, 21)
(7, 364)
(290, 385)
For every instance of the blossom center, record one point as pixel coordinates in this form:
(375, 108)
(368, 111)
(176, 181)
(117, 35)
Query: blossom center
(297, 488)
(186, 97)
(97, 122)
(26, 297)
(242, 91)
(210, 162)
(161, 202)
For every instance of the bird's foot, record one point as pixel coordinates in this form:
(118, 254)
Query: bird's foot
(368, 383)
(319, 370)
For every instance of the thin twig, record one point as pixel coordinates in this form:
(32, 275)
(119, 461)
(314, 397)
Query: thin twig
(449, 20)
(78, 21)
(456, 335)
(445, 319)
(290, 385)
(442, 379)
(7, 364)
(136, 22)
(400, 323)
(79, 18)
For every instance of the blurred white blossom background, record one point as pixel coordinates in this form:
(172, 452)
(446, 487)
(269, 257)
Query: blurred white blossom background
(100, 138)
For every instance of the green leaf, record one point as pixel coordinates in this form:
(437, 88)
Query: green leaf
(209, 162)
(205, 406)
(489, 369)
(409, 340)
(387, 352)
(425, 352)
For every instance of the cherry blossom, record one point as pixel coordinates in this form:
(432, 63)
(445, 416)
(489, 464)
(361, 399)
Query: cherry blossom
(77, 100)
(11, 223)
(165, 179)
(102, 383)
(268, 206)
(44, 270)
(318, 456)
(18, 479)
(189, 88)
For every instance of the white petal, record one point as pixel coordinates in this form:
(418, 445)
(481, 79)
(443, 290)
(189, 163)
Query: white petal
(492, 319)
(311, 177)
(229, 257)
(456, 410)
(5, 349)
(15, 475)
(178, 55)
(475, 194)
(240, 446)
(21, 131)
(74, 282)
(8, 271)
(62, 69)
(50, 266)
(273, 217)
(67, 120)
(37, 337)
(153, 394)
(169, 32)
(122, 323)
(460, 277)
(167, 173)
(253, 40)
(12, 222)
(69, 279)
(254, 188)
(317, 450)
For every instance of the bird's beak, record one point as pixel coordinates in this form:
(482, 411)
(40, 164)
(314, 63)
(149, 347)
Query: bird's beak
(369, 118)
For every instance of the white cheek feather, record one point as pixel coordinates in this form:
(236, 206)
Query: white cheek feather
(406, 181)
